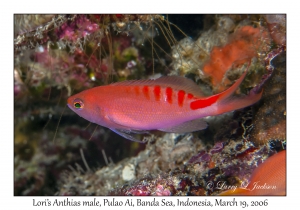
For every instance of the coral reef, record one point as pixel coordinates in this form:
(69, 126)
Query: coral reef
(216, 55)
(58, 153)
(225, 163)
(270, 119)
(277, 28)
(243, 45)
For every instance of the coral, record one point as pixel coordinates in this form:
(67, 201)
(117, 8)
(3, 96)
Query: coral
(216, 55)
(277, 28)
(196, 171)
(189, 55)
(154, 159)
(243, 45)
(27, 23)
(269, 122)
(79, 28)
(37, 163)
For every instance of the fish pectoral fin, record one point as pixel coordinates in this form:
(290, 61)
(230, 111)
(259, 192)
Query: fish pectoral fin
(189, 126)
(127, 134)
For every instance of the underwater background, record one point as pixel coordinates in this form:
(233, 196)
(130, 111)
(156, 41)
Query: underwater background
(55, 56)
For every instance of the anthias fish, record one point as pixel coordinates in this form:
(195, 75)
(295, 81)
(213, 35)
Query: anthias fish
(269, 178)
(171, 104)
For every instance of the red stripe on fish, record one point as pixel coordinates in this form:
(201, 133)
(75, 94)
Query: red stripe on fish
(181, 95)
(146, 91)
(190, 96)
(137, 90)
(169, 93)
(156, 92)
(202, 103)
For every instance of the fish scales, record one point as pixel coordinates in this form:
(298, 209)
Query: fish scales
(152, 107)
(170, 104)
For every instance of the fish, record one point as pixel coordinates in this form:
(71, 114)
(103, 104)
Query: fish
(170, 103)
(269, 178)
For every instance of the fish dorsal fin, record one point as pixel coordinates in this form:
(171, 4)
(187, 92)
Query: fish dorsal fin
(175, 82)
(189, 126)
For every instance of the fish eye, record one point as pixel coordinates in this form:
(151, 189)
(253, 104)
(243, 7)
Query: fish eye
(78, 104)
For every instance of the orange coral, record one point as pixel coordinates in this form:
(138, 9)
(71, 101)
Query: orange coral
(211, 164)
(244, 44)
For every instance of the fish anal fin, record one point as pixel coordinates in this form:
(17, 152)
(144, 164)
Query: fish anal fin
(189, 126)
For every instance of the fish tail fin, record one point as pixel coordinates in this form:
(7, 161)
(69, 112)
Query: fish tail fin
(238, 102)
(225, 100)
(237, 191)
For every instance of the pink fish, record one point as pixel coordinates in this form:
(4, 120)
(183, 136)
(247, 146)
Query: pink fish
(269, 178)
(170, 104)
